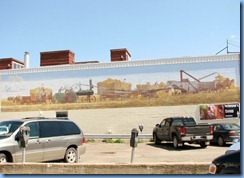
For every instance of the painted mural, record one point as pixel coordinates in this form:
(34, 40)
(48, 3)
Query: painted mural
(138, 86)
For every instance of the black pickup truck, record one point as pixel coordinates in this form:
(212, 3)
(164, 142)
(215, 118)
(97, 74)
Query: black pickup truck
(181, 130)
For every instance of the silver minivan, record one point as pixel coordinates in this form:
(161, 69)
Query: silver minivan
(49, 139)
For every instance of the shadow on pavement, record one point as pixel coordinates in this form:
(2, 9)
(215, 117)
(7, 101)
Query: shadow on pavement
(169, 146)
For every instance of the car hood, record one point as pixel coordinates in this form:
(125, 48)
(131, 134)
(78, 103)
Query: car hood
(233, 157)
(3, 137)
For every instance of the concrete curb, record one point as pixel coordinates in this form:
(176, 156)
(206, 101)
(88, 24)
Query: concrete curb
(81, 168)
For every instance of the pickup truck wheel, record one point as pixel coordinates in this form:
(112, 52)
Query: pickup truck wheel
(155, 139)
(220, 141)
(175, 141)
(3, 158)
(203, 144)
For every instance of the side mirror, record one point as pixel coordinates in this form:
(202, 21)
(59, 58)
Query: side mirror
(16, 138)
(157, 125)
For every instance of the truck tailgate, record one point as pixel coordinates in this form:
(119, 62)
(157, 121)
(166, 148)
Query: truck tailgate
(198, 130)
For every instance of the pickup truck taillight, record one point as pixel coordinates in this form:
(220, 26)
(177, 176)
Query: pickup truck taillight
(211, 129)
(231, 133)
(182, 130)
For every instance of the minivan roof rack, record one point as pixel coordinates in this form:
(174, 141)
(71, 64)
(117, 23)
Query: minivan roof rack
(61, 118)
(34, 118)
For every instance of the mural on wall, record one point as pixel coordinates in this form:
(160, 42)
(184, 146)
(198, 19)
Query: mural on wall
(138, 86)
(219, 111)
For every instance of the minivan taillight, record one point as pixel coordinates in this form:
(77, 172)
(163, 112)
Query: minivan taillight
(211, 129)
(83, 140)
(182, 130)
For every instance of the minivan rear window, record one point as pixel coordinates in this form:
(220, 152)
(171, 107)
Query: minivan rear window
(69, 128)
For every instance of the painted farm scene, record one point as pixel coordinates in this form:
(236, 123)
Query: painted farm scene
(182, 87)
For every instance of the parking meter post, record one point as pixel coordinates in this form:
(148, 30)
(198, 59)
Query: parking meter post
(23, 155)
(133, 142)
(132, 154)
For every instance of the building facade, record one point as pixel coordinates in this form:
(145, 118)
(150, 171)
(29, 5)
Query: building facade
(118, 96)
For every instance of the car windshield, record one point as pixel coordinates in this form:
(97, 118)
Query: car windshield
(231, 126)
(3, 129)
(7, 128)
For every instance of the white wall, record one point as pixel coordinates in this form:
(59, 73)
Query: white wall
(119, 120)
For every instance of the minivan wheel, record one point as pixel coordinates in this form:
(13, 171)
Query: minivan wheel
(71, 155)
(3, 158)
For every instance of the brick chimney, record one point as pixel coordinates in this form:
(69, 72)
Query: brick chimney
(119, 55)
(10, 63)
(62, 57)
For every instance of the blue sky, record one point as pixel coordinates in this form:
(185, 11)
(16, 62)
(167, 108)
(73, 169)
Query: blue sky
(149, 29)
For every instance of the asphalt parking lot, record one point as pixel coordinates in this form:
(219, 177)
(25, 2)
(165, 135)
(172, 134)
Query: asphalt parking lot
(148, 152)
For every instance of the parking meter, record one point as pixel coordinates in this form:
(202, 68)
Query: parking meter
(24, 134)
(141, 127)
(134, 138)
(133, 142)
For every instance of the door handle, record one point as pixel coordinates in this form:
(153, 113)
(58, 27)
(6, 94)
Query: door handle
(38, 142)
(48, 141)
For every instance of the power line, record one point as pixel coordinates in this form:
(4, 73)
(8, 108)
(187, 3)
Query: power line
(234, 45)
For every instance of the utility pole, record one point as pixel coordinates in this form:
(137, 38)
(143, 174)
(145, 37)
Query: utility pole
(227, 43)
(227, 46)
